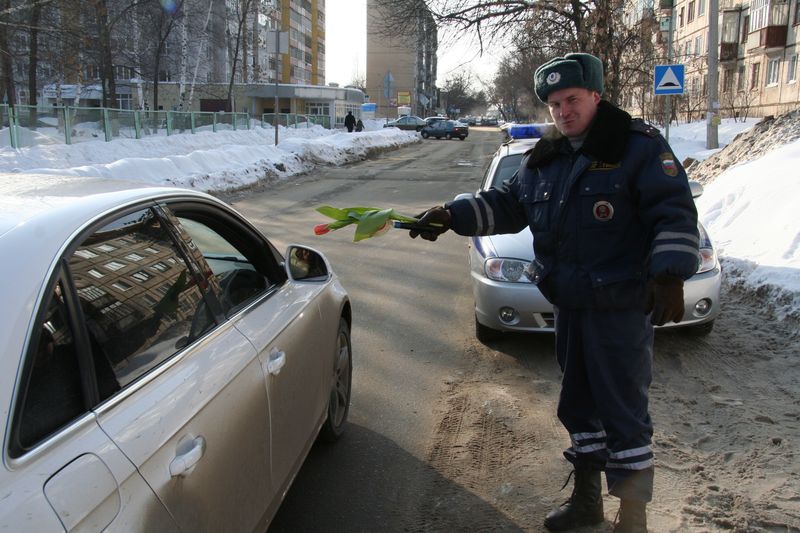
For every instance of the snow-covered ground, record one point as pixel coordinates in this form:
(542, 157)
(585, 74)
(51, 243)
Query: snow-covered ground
(749, 209)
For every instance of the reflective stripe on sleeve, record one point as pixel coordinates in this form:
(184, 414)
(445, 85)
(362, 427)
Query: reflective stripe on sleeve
(664, 235)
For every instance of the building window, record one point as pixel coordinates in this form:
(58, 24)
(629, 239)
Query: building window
(114, 265)
(755, 73)
(773, 71)
(698, 45)
(797, 12)
(680, 18)
(745, 28)
(701, 7)
(740, 78)
(86, 254)
(791, 70)
(106, 248)
(727, 80)
(690, 14)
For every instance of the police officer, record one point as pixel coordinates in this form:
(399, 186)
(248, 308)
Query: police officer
(615, 236)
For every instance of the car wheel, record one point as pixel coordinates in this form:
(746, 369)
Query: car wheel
(339, 400)
(700, 330)
(462, 137)
(448, 136)
(425, 135)
(484, 333)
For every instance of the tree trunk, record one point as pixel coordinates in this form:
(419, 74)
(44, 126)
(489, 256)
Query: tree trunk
(6, 65)
(36, 15)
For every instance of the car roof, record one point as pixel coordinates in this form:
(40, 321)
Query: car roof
(516, 146)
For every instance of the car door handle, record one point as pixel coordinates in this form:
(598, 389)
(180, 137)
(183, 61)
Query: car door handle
(277, 358)
(184, 463)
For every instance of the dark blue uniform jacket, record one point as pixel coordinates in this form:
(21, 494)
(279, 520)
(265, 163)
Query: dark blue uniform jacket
(605, 219)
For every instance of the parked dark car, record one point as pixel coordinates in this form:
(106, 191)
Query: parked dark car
(408, 122)
(445, 128)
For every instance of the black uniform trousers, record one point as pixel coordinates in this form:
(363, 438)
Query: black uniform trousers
(606, 357)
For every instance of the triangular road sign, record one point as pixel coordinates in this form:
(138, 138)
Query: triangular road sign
(668, 79)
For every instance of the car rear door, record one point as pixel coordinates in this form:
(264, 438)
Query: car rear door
(181, 390)
(62, 472)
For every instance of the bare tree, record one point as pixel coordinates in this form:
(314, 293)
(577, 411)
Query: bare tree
(240, 11)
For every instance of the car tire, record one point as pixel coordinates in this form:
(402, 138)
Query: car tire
(339, 397)
(484, 333)
(462, 137)
(700, 330)
(425, 134)
(448, 136)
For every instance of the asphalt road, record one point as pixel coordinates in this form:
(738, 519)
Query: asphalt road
(412, 308)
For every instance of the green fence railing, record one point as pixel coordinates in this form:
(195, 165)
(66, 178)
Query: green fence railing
(22, 126)
(292, 120)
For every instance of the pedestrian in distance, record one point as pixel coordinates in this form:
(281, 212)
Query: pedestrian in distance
(615, 235)
(349, 122)
(359, 125)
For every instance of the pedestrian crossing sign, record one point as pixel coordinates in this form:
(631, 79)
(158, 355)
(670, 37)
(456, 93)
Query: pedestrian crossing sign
(668, 79)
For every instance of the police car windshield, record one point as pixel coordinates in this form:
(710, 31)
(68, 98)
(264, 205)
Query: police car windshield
(506, 168)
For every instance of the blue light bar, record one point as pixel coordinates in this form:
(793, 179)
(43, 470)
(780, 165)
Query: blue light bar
(525, 131)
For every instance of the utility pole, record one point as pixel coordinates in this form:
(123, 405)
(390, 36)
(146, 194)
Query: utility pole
(712, 114)
(669, 62)
(277, 57)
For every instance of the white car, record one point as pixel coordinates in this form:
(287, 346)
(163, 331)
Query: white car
(507, 301)
(164, 367)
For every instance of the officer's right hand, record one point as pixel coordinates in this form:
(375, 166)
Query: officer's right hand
(434, 218)
(665, 302)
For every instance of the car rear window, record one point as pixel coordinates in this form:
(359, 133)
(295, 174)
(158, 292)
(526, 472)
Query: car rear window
(506, 169)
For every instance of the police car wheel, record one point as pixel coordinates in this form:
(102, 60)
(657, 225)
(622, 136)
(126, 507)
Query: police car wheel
(484, 333)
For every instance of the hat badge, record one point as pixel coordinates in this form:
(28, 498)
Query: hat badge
(553, 78)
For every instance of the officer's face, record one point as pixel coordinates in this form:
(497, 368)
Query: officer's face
(573, 109)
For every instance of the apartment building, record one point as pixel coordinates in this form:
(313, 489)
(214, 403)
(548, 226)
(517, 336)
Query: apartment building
(170, 56)
(401, 64)
(758, 54)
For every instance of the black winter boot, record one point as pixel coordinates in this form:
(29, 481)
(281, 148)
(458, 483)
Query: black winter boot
(584, 507)
(632, 517)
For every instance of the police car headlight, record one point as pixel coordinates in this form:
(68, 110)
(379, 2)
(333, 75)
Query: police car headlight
(708, 260)
(513, 270)
(708, 256)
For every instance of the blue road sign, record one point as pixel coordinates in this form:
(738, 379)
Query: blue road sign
(668, 79)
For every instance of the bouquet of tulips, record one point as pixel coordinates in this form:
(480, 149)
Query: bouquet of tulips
(370, 221)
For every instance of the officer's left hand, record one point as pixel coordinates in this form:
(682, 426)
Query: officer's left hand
(665, 300)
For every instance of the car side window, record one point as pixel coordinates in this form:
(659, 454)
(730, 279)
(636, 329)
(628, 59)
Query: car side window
(53, 395)
(140, 300)
(236, 277)
(506, 169)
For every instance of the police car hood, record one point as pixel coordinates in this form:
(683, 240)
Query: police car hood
(511, 245)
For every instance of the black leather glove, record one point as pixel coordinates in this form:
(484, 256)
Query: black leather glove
(433, 219)
(665, 300)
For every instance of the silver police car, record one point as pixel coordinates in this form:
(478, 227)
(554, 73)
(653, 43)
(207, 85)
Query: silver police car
(505, 298)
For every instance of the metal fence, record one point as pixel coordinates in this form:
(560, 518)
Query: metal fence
(22, 126)
(292, 120)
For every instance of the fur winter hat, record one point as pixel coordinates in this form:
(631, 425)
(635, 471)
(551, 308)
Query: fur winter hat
(572, 70)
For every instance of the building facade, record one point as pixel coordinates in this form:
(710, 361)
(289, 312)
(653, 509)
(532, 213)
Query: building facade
(758, 55)
(187, 57)
(401, 64)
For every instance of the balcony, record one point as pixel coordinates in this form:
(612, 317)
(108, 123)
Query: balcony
(772, 37)
(728, 51)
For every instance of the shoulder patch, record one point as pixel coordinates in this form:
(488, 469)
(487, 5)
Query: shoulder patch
(668, 164)
(640, 126)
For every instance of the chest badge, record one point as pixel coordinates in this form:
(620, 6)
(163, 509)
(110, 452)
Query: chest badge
(603, 211)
